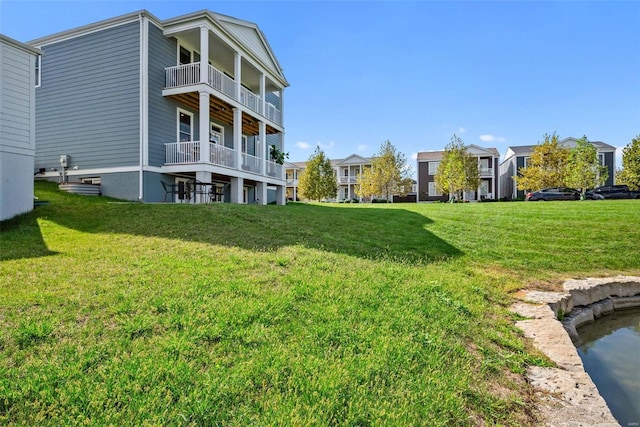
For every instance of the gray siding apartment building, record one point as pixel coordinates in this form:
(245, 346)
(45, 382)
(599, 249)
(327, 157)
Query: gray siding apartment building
(516, 157)
(133, 102)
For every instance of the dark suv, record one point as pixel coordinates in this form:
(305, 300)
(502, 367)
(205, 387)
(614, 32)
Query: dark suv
(616, 192)
(557, 193)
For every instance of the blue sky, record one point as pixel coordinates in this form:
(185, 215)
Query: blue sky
(495, 73)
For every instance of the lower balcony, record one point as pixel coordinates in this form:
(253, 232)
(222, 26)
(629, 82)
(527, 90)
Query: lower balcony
(188, 152)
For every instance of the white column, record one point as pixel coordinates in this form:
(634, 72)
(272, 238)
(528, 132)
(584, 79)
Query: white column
(237, 188)
(204, 55)
(282, 107)
(237, 72)
(262, 135)
(237, 136)
(204, 127)
(263, 101)
(281, 197)
(261, 193)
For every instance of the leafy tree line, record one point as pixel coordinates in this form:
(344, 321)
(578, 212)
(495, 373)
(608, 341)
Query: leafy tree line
(553, 165)
(388, 174)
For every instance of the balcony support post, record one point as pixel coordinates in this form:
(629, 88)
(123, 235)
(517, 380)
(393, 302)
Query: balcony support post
(263, 110)
(261, 193)
(262, 145)
(237, 72)
(204, 57)
(204, 128)
(237, 189)
(237, 135)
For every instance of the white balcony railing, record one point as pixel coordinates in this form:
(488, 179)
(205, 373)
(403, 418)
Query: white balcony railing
(251, 163)
(182, 75)
(188, 152)
(222, 156)
(182, 152)
(189, 74)
(348, 179)
(274, 169)
(486, 171)
(222, 83)
(292, 182)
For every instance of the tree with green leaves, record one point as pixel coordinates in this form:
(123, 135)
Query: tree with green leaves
(388, 174)
(317, 181)
(630, 172)
(547, 165)
(457, 171)
(584, 170)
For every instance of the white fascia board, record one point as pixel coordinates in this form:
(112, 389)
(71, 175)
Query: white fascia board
(19, 45)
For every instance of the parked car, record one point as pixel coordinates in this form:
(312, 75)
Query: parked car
(556, 193)
(615, 192)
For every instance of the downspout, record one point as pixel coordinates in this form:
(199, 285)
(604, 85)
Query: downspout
(143, 103)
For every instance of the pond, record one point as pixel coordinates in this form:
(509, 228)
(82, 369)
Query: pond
(610, 351)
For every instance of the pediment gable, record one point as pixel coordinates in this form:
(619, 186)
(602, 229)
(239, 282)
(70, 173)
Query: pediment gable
(354, 159)
(252, 38)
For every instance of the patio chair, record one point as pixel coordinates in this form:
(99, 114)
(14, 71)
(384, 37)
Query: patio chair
(169, 189)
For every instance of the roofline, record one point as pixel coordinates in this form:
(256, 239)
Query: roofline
(19, 45)
(93, 27)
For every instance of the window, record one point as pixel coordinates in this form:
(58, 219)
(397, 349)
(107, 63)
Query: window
(216, 134)
(38, 70)
(346, 172)
(433, 191)
(527, 160)
(484, 165)
(433, 167)
(184, 56)
(185, 126)
(244, 143)
(601, 159)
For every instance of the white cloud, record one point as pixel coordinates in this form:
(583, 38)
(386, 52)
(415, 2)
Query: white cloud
(491, 138)
(325, 146)
(461, 130)
(303, 145)
(362, 147)
(414, 156)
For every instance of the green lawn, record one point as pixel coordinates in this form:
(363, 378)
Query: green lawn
(319, 314)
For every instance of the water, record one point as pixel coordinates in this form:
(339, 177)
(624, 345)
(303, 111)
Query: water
(610, 352)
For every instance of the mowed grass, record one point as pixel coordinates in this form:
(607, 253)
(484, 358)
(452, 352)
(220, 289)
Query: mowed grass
(133, 314)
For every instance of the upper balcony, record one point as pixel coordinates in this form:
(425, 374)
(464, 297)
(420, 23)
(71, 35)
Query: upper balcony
(189, 74)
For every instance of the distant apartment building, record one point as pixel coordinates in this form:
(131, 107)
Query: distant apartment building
(427, 167)
(518, 157)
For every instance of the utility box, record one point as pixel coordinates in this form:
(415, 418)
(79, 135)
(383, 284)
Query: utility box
(64, 160)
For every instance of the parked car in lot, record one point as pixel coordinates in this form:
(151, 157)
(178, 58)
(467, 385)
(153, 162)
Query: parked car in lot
(614, 192)
(556, 193)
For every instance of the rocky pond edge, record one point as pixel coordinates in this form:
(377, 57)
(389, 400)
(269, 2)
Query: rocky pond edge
(566, 394)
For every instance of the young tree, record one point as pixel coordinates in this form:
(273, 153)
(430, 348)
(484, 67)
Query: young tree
(583, 168)
(458, 170)
(630, 172)
(547, 166)
(317, 181)
(388, 174)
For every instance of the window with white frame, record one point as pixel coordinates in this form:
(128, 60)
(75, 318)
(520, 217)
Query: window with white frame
(433, 191)
(527, 160)
(185, 126)
(38, 70)
(244, 143)
(601, 159)
(433, 167)
(216, 134)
